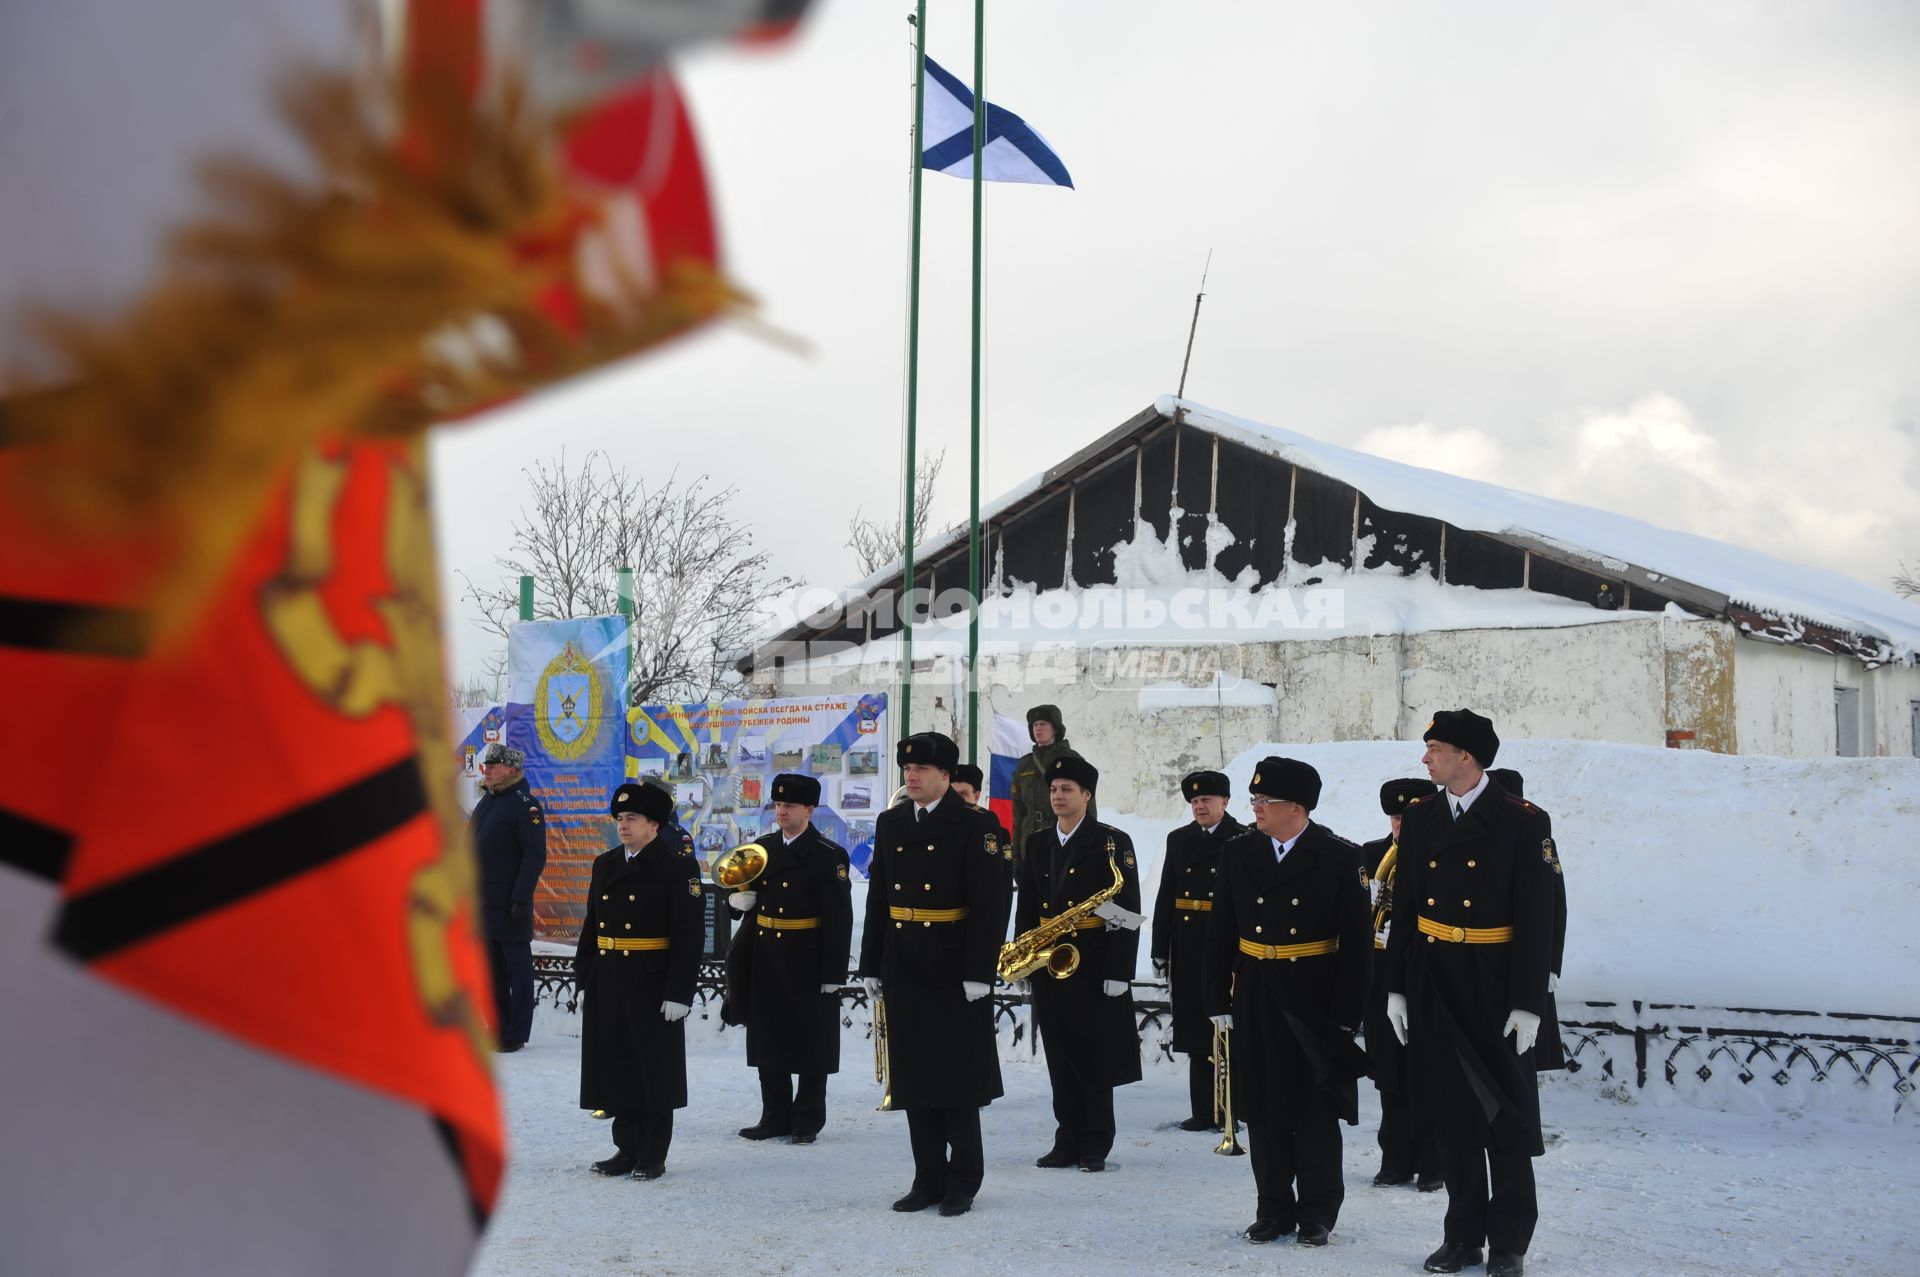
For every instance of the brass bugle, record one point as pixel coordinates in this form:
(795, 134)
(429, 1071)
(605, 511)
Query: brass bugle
(736, 869)
(1229, 1145)
(882, 1073)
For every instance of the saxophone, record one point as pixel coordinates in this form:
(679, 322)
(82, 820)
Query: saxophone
(1383, 902)
(1046, 945)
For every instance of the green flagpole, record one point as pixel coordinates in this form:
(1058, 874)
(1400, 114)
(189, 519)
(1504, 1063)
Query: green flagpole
(913, 364)
(973, 509)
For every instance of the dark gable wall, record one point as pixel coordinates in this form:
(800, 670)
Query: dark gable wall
(1254, 493)
(1484, 563)
(1252, 488)
(1193, 493)
(1102, 518)
(1409, 542)
(1037, 545)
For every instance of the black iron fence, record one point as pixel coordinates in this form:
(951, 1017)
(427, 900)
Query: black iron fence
(1784, 1059)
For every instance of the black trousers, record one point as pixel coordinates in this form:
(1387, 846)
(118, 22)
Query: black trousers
(1082, 1106)
(1297, 1173)
(787, 1107)
(1400, 1153)
(645, 1133)
(947, 1157)
(1504, 1218)
(1200, 1086)
(511, 962)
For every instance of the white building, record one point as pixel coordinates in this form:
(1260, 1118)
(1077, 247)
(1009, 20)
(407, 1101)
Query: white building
(1192, 582)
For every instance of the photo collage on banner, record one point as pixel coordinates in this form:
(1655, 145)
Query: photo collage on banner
(720, 759)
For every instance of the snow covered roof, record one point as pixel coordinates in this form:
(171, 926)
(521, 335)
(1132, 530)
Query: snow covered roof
(1611, 543)
(1767, 597)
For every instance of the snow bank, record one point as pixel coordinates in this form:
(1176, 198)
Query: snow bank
(1692, 877)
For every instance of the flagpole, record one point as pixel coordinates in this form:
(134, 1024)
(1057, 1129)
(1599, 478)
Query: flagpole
(973, 508)
(913, 363)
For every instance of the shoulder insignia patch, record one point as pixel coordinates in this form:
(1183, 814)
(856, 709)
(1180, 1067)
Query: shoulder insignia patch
(840, 871)
(1363, 877)
(1549, 854)
(992, 843)
(693, 887)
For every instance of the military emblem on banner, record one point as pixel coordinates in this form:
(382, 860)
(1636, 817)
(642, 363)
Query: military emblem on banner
(867, 717)
(566, 705)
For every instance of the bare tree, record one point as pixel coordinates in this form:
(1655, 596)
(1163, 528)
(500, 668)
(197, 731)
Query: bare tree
(700, 588)
(476, 691)
(877, 544)
(1906, 582)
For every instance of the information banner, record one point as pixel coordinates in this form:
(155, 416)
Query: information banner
(567, 687)
(720, 761)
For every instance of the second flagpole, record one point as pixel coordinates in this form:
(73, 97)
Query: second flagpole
(973, 468)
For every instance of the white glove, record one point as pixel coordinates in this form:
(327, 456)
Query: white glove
(1113, 988)
(1160, 967)
(975, 990)
(1553, 982)
(1525, 1026)
(829, 988)
(873, 985)
(743, 900)
(1397, 1015)
(1223, 1022)
(674, 1010)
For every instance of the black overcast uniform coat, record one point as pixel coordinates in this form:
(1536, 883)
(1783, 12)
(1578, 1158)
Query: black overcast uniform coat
(1188, 876)
(1076, 1018)
(1291, 1016)
(940, 1047)
(1494, 867)
(792, 1027)
(630, 1057)
(510, 843)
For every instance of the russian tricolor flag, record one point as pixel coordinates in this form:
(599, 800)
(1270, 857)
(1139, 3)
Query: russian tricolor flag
(1009, 745)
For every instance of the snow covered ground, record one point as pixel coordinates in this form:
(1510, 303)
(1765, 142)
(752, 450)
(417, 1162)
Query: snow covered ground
(1625, 1188)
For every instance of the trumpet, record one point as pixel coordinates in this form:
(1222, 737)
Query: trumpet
(1229, 1145)
(882, 1073)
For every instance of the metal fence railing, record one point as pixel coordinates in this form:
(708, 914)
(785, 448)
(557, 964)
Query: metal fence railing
(1721, 1056)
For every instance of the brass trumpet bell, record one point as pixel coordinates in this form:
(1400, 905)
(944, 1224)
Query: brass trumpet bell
(736, 868)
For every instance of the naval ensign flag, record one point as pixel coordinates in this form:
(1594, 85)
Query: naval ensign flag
(1013, 152)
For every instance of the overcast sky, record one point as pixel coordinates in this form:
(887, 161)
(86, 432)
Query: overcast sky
(1659, 258)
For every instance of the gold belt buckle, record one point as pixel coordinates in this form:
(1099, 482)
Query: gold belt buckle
(1459, 935)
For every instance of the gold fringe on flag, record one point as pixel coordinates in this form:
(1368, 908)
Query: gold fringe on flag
(376, 300)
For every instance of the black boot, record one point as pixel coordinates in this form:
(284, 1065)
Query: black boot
(1430, 1183)
(915, 1200)
(763, 1130)
(618, 1164)
(1057, 1157)
(1311, 1235)
(1199, 1124)
(1392, 1179)
(1452, 1257)
(1504, 1263)
(1262, 1231)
